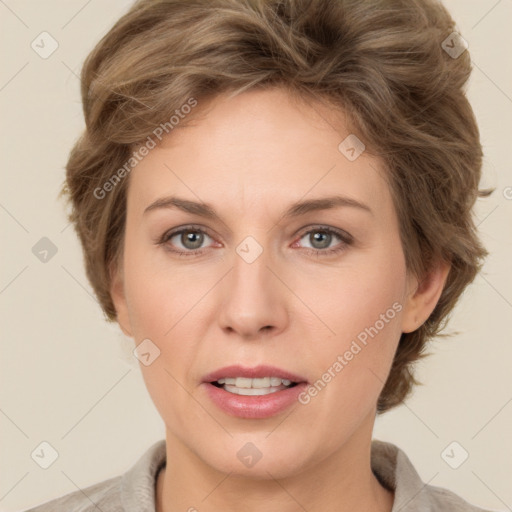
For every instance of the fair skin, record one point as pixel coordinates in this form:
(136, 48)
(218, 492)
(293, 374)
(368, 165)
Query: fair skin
(250, 157)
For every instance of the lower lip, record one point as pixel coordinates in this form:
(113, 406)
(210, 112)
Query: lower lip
(254, 407)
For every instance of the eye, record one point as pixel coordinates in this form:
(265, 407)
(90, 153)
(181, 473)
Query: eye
(321, 238)
(190, 238)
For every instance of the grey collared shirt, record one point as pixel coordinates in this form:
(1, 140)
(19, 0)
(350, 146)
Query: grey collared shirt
(134, 491)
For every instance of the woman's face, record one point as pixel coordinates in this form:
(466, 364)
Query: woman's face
(318, 294)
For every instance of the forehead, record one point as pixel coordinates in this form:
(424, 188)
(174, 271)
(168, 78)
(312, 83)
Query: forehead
(261, 147)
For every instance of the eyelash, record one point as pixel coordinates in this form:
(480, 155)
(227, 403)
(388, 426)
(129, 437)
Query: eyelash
(345, 238)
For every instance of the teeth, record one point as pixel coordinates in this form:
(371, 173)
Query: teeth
(263, 383)
(243, 382)
(252, 391)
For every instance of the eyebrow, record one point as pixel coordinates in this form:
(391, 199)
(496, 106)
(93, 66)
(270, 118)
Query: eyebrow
(295, 210)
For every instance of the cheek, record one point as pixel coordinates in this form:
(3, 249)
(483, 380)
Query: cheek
(157, 294)
(163, 303)
(354, 296)
(363, 307)
(160, 304)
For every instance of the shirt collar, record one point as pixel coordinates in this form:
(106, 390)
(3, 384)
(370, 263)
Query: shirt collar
(395, 471)
(389, 464)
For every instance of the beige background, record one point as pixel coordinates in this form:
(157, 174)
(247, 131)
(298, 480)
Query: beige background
(68, 378)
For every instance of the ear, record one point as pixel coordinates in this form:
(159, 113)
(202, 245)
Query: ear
(117, 293)
(423, 296)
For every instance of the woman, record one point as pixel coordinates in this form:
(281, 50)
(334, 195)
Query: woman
(274, 201)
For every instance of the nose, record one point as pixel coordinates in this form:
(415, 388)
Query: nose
(254, 300)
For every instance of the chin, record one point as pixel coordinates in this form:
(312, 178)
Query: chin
(257, 456)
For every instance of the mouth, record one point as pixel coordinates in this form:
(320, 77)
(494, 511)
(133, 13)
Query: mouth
(260, 392)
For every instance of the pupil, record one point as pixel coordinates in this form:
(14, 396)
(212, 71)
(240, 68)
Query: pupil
(189, 237)
(321, 234)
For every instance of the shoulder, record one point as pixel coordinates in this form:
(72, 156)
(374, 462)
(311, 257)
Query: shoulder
(134, 490)
(104, 496)
(395, 471)
(442, 499)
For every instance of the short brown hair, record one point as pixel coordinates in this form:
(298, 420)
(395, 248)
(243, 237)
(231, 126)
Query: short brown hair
(382, 62)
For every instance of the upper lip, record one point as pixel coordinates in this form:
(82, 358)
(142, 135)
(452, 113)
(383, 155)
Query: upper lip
(253, 373)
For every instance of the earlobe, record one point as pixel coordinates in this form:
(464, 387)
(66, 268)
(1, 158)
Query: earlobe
(423, 296)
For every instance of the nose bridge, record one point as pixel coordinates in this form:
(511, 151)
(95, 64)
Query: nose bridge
(253, 300)
(250, 266)
(250, 279)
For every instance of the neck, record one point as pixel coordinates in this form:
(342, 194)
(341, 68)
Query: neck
(342, 482)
